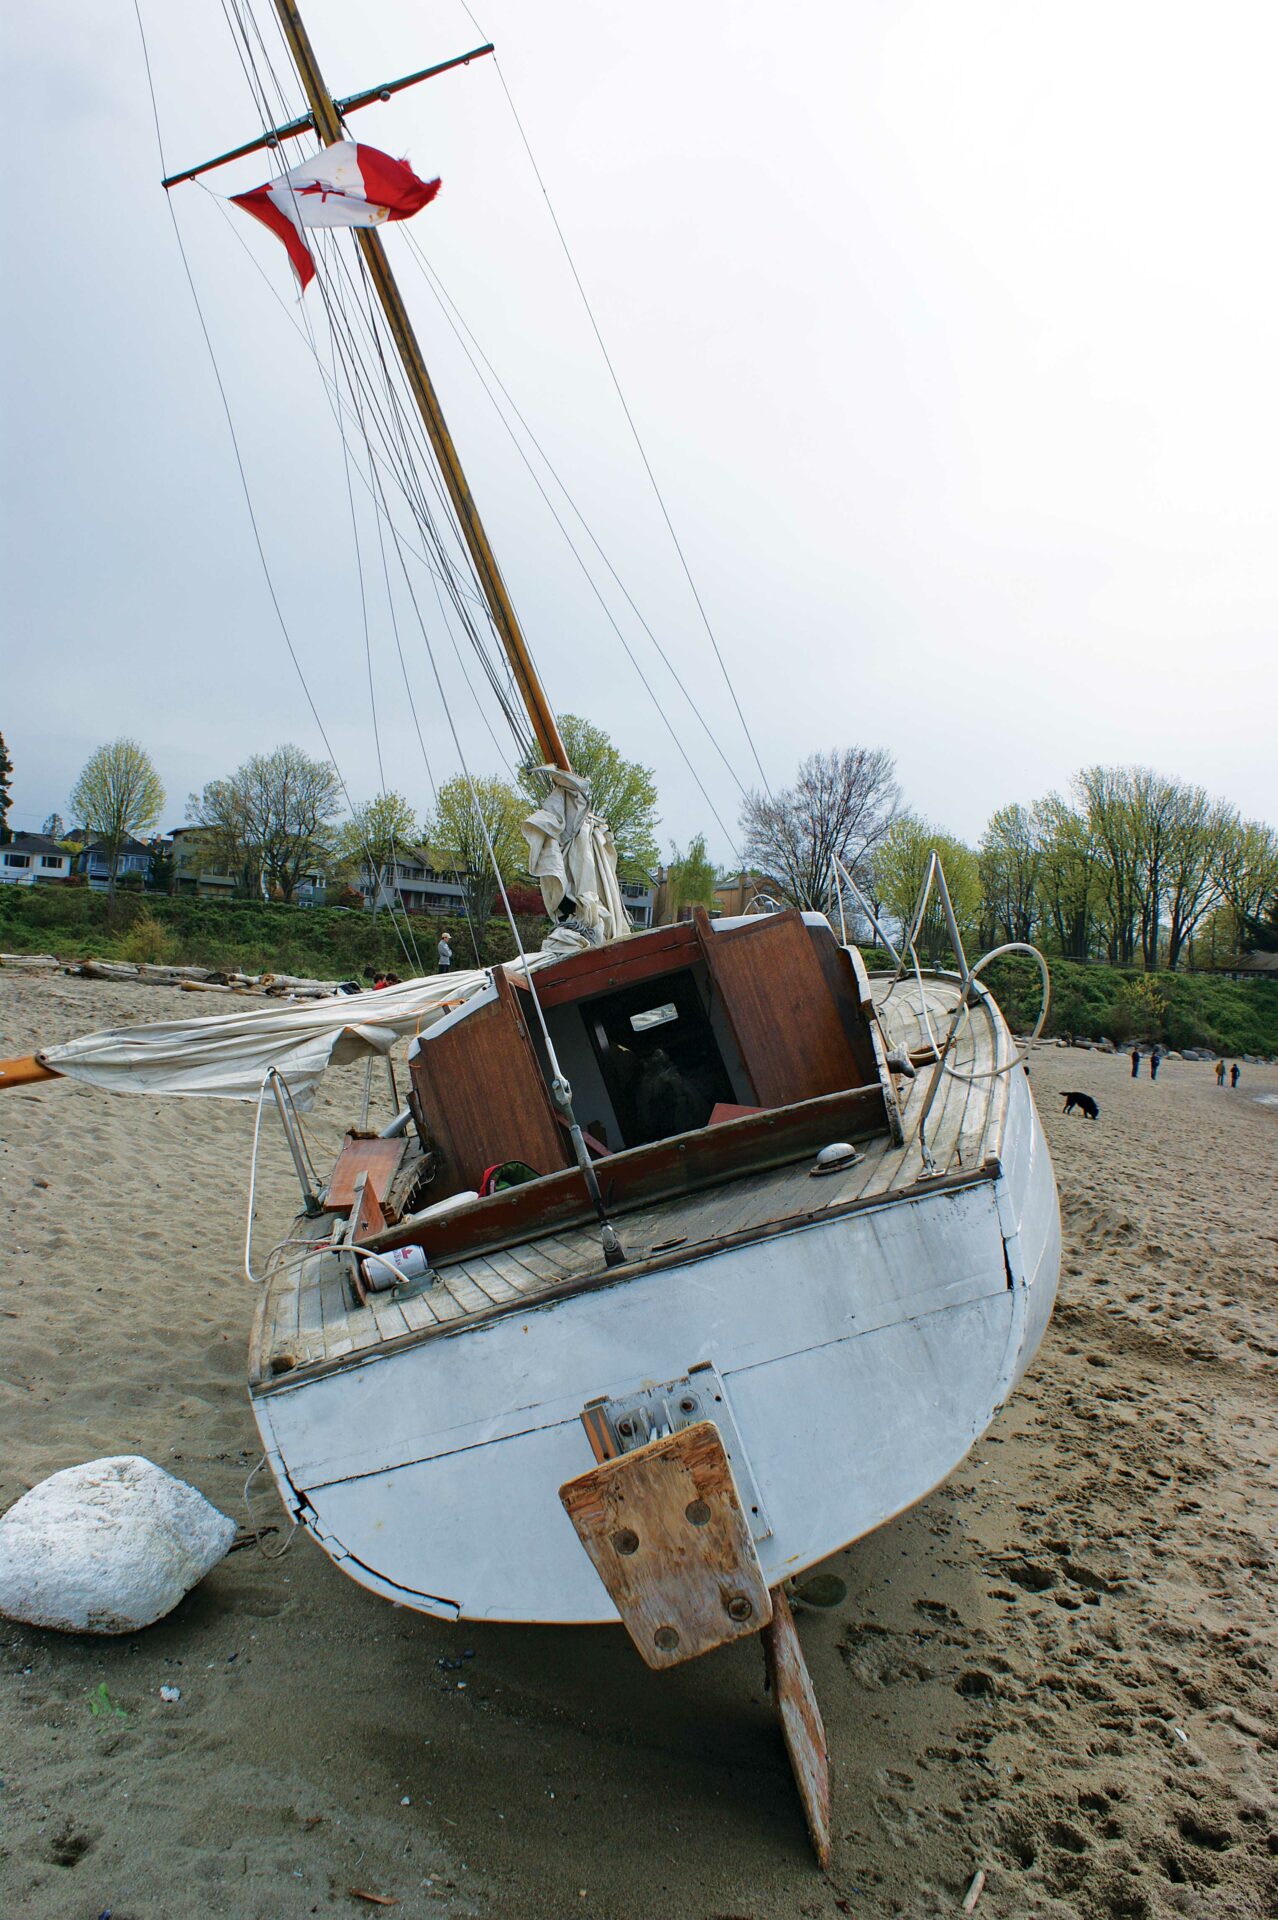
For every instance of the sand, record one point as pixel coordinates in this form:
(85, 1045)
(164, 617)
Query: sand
(1059, 1669)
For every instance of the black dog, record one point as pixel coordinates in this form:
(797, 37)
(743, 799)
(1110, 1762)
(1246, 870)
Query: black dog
(1085, 1104)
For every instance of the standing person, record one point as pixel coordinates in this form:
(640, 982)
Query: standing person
(1155, 1062)
(444, 957)
(1135, 1062)
(1235, 1075)
(1220, 1073)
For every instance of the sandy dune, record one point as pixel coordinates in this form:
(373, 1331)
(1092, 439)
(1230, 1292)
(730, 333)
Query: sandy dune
(1061, 1668)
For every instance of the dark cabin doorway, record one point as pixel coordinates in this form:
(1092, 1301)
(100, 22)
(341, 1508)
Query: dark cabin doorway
(658, 1056)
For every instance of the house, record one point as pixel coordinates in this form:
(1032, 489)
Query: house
(423, 883)
(190, 875)
(639, 898)
(30, 857)
(93, 859)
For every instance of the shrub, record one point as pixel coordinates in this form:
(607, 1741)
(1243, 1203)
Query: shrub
(147, 939)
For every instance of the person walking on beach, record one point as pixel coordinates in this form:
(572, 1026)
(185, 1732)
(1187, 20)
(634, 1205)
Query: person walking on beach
(1220, 1073)
(1155, 1062)
(1235, 1075)
(444, 957)
(1135, 1062)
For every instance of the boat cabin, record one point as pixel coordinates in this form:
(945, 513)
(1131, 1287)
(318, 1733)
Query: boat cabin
(695, 1052)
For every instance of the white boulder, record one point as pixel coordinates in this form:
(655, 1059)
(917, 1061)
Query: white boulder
(107, 1547)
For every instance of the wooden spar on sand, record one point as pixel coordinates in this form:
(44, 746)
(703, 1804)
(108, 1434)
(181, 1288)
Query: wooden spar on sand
(26, 1071)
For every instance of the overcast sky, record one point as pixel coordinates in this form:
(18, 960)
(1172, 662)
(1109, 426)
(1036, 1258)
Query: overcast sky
(950, 332)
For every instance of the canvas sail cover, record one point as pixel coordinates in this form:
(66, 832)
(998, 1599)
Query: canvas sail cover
(227, 1056)
(572, 856)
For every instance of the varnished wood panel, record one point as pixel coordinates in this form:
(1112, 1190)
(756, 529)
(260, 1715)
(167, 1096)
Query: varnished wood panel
(378, 1158)
(788, 1025)
(665, 1169)
(481, 1097)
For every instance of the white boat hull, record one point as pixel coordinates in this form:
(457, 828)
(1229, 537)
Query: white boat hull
(862, 1355)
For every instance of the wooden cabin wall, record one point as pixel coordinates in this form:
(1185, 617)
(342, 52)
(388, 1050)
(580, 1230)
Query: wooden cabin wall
(480, 1097)
(797, 1020)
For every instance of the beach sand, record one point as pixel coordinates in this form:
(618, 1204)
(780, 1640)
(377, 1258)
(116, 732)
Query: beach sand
(1060, 1668)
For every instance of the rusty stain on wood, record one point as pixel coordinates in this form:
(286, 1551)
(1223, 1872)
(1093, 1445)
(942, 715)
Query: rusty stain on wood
(801, 1722)
(667, 1535)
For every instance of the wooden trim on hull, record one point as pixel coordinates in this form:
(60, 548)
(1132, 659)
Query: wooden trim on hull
(261, 1387)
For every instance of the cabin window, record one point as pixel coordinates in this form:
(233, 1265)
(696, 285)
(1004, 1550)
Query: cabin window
(654, 1017)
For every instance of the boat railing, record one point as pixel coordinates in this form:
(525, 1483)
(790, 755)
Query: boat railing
(843, 882)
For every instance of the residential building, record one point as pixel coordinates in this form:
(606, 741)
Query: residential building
(31, 857)
(423, 883)
(190, 874)
(93, 859)
(639, 898)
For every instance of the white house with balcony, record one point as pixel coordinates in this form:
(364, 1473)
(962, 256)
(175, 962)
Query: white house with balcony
(31, 857)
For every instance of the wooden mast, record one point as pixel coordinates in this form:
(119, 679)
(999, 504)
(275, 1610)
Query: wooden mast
(329, 127)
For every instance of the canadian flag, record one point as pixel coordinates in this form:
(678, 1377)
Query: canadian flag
(347, 185)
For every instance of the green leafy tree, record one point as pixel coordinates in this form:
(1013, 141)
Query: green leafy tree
(1009, 862)
(621, 791)
(6, 797)
(373, 839)
(465, 821)
(119, 795)
(55, 827)
(691, 878)
(900, 868)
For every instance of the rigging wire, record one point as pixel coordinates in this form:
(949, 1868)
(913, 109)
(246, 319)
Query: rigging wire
(441, 298)
(630, 421)
(239, 461)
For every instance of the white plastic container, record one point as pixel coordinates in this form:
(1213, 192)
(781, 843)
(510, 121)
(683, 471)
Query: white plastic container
(394, 1268)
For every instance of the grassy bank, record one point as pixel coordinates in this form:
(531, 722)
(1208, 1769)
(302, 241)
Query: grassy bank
(1088, 1002)
(248, 935)
(1113, 1003)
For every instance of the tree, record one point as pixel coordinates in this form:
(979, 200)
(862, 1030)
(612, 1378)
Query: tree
(55, 827)
(6, 798)
(119, 794)
(900, 868)
(1200, 831)
(621, 791)
(1108, 800)
(1067, 874)
(468, 816)
(271, 821)
(227, 838)
(690, 878)
(1009, 862)
(841, 805)
(1249, 878)
(373, 838)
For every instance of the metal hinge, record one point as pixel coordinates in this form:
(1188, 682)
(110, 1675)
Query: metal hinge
(630, 1420)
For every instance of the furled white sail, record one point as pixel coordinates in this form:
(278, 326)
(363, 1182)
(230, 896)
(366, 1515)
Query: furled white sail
(227, 1056)
(572, 855)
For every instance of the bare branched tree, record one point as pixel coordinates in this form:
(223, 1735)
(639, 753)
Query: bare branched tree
(841, 805)
(270, 821)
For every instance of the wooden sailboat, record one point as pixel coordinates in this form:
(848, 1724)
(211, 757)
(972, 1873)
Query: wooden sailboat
(727, 1253)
